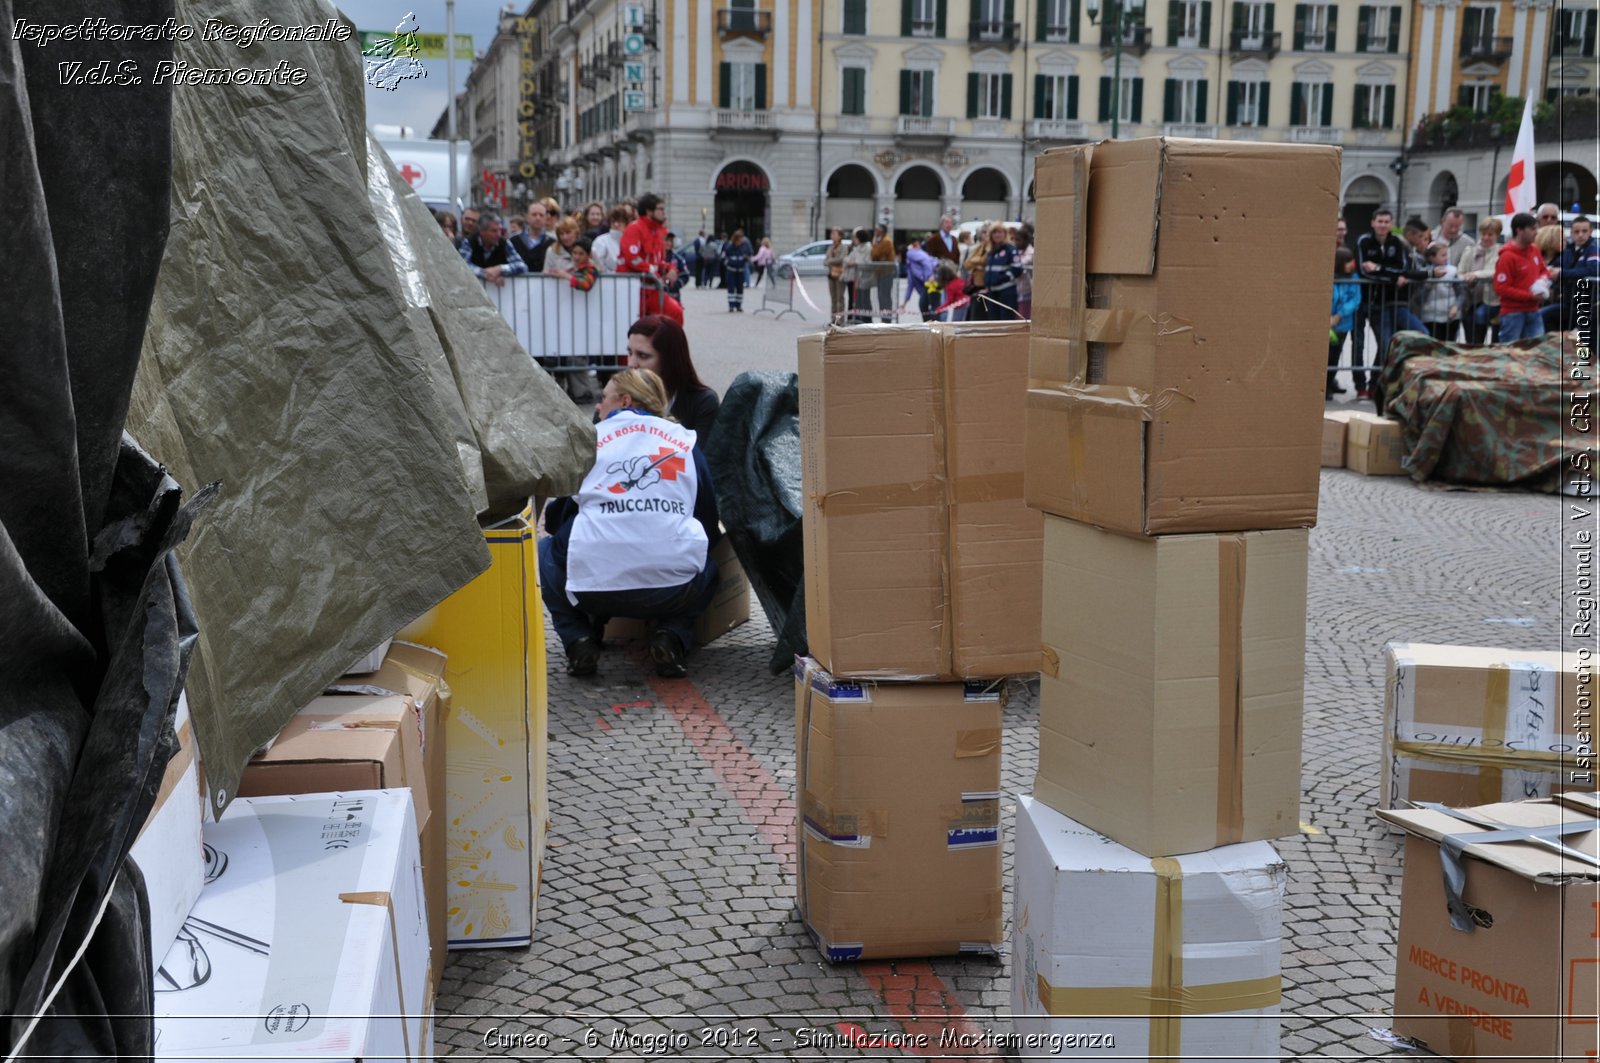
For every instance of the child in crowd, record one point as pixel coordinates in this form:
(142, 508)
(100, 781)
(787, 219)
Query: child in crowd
(1341, 318)
(583, 268)
(1441, 296)
(953, 305)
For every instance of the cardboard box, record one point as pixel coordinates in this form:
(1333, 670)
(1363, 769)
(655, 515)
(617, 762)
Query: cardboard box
(922, 560)
(1334, 425)
(496, 744)
(310, 938)
(728, 609)
(1512, 970)
(1174, 958)
(1374, 446)
(1170, 703)
(169, 849)
(898, 791)
(1164, 397)
(1472, 725)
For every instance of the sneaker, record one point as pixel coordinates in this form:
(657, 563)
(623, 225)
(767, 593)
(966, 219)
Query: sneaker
(666, 650)
(583, 657)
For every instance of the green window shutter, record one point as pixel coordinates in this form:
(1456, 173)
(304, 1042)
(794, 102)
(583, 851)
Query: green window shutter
(1358, 117)
(761, 86)
(1327, 106)
(975, 10)
(1271, 11)
(972, 95)
(1041, 15)
(905, 18)
(1072, 98)
(941, 18)
(1105, 99)
(1200, 101)
(1233, 103)
(1039, 83)
(1394, 28)
(1136, 112)
(1588, 35)
(1238, 17)
(927, 93)
(1010, 12)
(1363, 27)
(1297, 95)
(1205, 23)
(725, 86)
(1005, 95)
(905, 92)
(1464, 96)
(855, 16)
(1169, 101)
(1300, 27)
(1174, 16)
(1388, 107)
(1072, 36)
(853, 97)
(1263, 105)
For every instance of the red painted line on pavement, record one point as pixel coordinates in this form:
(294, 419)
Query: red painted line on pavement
(915, 996)
(601, 720)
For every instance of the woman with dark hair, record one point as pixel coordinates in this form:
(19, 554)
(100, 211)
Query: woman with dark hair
(658, 344)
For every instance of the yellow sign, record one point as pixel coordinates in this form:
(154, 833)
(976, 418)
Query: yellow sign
(428, 45)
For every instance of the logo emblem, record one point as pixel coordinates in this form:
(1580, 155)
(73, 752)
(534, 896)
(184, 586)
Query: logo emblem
(391, 60)
(643, 472)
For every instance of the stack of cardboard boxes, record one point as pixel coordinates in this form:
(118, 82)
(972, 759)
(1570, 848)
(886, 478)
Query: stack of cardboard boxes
(1173, 443)
(922, 589)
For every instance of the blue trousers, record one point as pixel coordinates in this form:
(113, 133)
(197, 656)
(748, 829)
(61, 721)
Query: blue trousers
(675, 609)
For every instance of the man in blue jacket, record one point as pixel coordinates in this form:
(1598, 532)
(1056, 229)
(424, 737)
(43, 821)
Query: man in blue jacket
(1580, 274)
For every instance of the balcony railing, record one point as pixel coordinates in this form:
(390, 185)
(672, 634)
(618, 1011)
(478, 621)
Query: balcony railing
(1315, 134)
(924, 28)
(1135, 39)
(1193, 130)
(1314, 42)
(1057, 34)
(911, 125)
(1256, 42)
(738, 22)
(1492, 49)
(760, 121)
(853, 123)
(1057, 129)
(989, 33)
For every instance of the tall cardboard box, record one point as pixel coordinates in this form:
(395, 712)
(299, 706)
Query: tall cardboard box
(1165, 398)
(730, 605)
(1170, 702)
(1374, 446)
(169, 850)
(310, 939)
(1335, 424)
(1472, 725)
(898, 788)
(496, 740)
(922, 559)
(1511, 969)
(1173, 958)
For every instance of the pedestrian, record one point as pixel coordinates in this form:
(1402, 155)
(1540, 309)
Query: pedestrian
(658, 344)
(1346, 298)
(1023, 242)
(838, 286)
(1522, 282)
(1476, 269)
(447, 225)
(944, 245)
(1449, 233)
(1383, 260)
(584, 272)
(592, 222)
(644, 250)
(1551, 242)
(608, 245)
(974, 268)
(558, 260)
(513, 227)
(1341, 232)
(1580, 274)
(736, 254)
(1000, 272)
(954, 302)
(489, 254)
(469, 222)
(885, 266)
(1548, 214)
(680, 262)
(1441, 299)
(635, 541)
(535, 237)
(919, 271)
(692, 257)
(858, 269)
(711, 260)
(761, 264)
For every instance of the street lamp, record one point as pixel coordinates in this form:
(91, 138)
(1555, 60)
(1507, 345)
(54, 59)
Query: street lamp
(1121, 16)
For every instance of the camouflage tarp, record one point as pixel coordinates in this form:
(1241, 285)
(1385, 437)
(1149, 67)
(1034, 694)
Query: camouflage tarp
(1481, 416)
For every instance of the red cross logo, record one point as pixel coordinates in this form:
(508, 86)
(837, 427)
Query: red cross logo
(411, 174)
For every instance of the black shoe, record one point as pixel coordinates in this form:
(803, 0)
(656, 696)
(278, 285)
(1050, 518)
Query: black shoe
(666, 650)
(583, 657)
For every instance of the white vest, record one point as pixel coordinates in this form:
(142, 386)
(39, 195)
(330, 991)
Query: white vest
(636, 528)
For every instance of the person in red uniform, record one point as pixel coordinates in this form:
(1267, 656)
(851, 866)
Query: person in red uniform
(644, 250)
(1522, 282)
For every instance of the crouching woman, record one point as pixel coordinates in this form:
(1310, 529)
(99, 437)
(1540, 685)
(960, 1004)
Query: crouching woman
(635, 541)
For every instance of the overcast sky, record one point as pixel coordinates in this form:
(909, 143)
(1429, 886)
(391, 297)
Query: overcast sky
(419, 103)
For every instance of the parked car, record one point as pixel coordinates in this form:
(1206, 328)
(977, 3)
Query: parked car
(807, 260)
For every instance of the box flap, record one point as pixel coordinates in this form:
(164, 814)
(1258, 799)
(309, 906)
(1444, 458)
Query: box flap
(1531, 860)
(1589, 803)
(1125, 203)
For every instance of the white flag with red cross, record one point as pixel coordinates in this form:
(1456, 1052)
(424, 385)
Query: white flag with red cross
(1519, 183)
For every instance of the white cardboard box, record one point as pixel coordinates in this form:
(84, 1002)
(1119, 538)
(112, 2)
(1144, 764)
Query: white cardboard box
(1173, 957)
(169, 849)
(310, 939)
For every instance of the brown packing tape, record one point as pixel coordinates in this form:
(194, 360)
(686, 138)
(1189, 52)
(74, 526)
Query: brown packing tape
(1230, 693)
(876, 498)
(1496, 702)
(992, 487)
(972, 814)
(871, 823)
(1478, 756)
(382, 899)
(1049, 662)
(1166, 958)
(981, 742)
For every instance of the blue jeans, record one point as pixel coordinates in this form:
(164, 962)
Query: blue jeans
(674, 608)
(1523, 326)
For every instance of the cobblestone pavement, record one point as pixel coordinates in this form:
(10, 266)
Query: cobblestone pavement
(667, 909)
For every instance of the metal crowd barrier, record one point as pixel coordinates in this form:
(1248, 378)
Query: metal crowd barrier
(780, 295)
(568, 330)
(1475, 322)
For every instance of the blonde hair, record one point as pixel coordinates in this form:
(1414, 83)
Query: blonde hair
(644, 388)
(568, 225)
(1550, 239)
(1490, 225)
